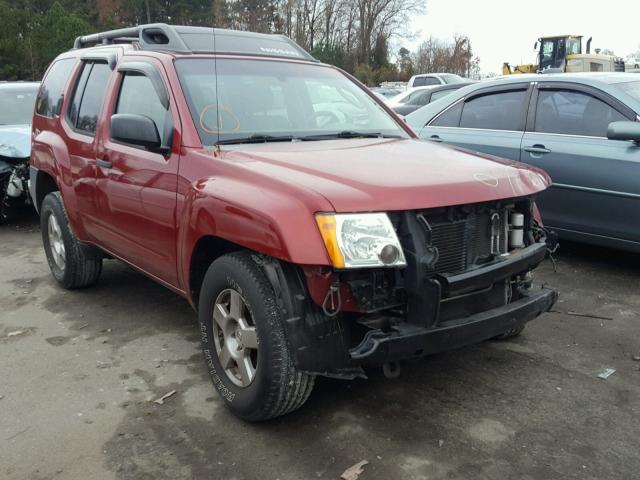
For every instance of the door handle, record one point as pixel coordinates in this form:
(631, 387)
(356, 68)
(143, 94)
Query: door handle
(104, 163)
(539, 149)
(435, 138)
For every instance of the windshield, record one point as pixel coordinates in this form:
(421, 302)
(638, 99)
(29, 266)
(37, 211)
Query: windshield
(17, 104)
(630, 88)
(258, 98)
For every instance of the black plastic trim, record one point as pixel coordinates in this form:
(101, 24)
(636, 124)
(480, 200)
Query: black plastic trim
(407, 340)
(483, 277)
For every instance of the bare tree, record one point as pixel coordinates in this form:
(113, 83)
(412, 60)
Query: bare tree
(435, 55)
(382, 17)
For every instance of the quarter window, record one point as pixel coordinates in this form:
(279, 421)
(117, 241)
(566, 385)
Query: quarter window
(450, 118)
(137, 96)
(495, 111)
(88, 95)
(574, 113)
(49, 101)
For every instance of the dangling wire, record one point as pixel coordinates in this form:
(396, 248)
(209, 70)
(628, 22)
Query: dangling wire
(333, 295)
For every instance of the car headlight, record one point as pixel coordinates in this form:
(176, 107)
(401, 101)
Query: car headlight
(360, 240)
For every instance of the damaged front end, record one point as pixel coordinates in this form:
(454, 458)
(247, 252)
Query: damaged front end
(467, 279)
(14, 168)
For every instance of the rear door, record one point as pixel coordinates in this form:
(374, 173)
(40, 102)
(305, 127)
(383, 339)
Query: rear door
(136, 188)
(490, 121)
(596, 187)
(81, 121)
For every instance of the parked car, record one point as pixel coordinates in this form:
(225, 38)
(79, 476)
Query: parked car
(17, 100)
(568, 125)
(303, 248)
(431, 79)
(407, 96)
(421, 96)
(387, 92)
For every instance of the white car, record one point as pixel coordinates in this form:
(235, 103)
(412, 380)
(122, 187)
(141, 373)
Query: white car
(406, 96)
(433, 79)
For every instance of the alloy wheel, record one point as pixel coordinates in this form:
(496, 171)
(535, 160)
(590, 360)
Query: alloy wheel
(56, 242)
(235, 337)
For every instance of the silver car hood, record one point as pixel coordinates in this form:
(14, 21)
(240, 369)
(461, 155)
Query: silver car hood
(15, 141)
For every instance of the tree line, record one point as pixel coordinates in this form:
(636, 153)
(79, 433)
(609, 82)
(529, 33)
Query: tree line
(355, 35)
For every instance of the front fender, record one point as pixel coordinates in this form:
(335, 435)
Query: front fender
(263, 220)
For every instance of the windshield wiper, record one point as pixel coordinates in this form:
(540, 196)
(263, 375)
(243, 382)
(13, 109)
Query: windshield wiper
(257, 139)
(348, 134)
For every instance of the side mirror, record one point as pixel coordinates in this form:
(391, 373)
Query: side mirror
(535, 47)
(624, 131)
(137, 130)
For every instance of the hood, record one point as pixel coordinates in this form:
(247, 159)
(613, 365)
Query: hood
(15, 141)
(382, 175)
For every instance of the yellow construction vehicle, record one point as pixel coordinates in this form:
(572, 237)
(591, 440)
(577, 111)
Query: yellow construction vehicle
(564, 54)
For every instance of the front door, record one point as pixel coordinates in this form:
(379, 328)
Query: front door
(136, 188)
(595, 180)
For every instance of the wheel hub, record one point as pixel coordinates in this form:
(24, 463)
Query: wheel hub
(235, 337)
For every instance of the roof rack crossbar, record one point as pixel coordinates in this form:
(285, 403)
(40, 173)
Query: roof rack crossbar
(105, 37)
(159, 36)
(189, 39)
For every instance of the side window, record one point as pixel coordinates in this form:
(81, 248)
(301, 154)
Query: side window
(495, 111)
(450, 118)
(138, 96)
(88, 95)
(574, 113)
(72, 115)
(49, 101)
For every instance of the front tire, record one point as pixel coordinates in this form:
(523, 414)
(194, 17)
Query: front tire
(244, 341)
(73, 264)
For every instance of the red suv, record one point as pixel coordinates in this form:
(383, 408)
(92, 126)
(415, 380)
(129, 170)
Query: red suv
(309, 228)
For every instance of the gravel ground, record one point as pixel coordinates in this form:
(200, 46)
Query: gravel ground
(79, 371)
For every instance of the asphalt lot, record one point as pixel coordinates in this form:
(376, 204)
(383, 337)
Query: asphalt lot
(79, 371)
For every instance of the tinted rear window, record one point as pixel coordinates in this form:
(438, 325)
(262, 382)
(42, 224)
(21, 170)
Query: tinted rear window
(422, 81)
(495, 111)
(49, 99)
(92, 97)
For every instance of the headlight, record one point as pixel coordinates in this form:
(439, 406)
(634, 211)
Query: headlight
(360, 240)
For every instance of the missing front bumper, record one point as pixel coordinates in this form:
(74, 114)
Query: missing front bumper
(407, 340)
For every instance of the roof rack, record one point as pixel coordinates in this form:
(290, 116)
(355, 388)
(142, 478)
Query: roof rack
(183, 39)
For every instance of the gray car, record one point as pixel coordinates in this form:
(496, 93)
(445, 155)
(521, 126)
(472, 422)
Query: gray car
(561, 123)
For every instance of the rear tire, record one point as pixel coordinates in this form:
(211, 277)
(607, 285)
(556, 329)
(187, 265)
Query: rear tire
(238, 313)
(73, 264)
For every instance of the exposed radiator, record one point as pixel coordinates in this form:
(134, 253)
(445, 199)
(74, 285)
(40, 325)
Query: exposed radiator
(468, 241)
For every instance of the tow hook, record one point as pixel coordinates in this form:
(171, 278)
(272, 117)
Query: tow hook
(391, 370)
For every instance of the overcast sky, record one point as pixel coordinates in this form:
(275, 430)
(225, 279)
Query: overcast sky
(506, 30)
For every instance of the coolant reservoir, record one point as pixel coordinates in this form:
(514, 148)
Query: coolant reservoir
(516, 230)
